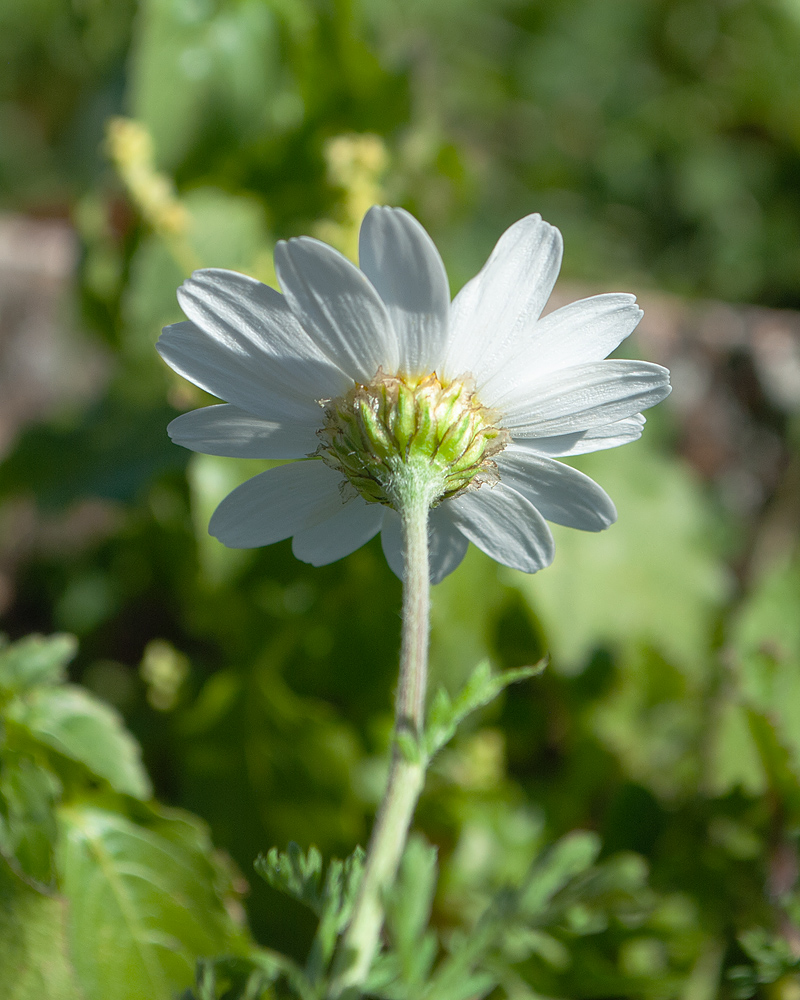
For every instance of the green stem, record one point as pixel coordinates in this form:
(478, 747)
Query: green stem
(406, 776)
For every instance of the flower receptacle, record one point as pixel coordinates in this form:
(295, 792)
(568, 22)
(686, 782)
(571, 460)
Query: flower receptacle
(397, 434)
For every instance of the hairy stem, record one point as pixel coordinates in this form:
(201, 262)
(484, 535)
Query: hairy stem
(406, 776)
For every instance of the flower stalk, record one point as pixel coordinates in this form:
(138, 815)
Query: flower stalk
(407, 770)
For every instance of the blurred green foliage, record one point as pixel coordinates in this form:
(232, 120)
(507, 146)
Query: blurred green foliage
(141, 897)
(664, 140)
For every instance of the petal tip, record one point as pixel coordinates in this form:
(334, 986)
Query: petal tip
(607, 517)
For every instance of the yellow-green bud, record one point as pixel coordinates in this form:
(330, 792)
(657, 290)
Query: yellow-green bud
(398, 432)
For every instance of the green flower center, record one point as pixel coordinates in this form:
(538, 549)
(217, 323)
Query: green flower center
(396, 434)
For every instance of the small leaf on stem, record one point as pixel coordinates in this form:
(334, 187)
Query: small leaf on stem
(483, 686)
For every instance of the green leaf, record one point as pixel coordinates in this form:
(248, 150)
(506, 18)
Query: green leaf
(71, 721)
(563, 886)
(483, 686)
(755, 742)
(35, 660)
(300, 875)
(297, 874)
(567, 858)
(218, 67)
(28, 794)
(771, 954)
(342, 883)
(520, 942)
(733, 757)
(143, 903)
(765, 642)
(239, 978)
(248, 977)
(618, 886)
(34, 959)
(777, 761)
(552, 872)
(408, 912)
(453, 982)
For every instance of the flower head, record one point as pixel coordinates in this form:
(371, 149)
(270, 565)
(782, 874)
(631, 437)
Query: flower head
(377, 380)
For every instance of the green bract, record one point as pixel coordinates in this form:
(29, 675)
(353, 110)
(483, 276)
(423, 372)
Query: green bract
(396, 428)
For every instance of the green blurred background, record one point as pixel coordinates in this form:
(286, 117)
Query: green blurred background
(663, 139)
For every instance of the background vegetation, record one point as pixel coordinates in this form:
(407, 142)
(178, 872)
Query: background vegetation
(663, 138)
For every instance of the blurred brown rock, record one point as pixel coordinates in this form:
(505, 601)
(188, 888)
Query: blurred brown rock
(44, 363)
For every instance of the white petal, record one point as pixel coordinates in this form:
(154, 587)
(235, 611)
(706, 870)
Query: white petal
(595, 439)
(401, 261)
(576, 399)
(584, 331)
(447, 546)
(227, 430)
(505, 525)
(246, 346)
(560, 493)
(345, 527)
(495, 311)
(247, 378)
(337, 304)
(274, 505)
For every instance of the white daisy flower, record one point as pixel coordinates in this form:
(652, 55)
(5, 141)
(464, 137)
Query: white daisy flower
(370, 375)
